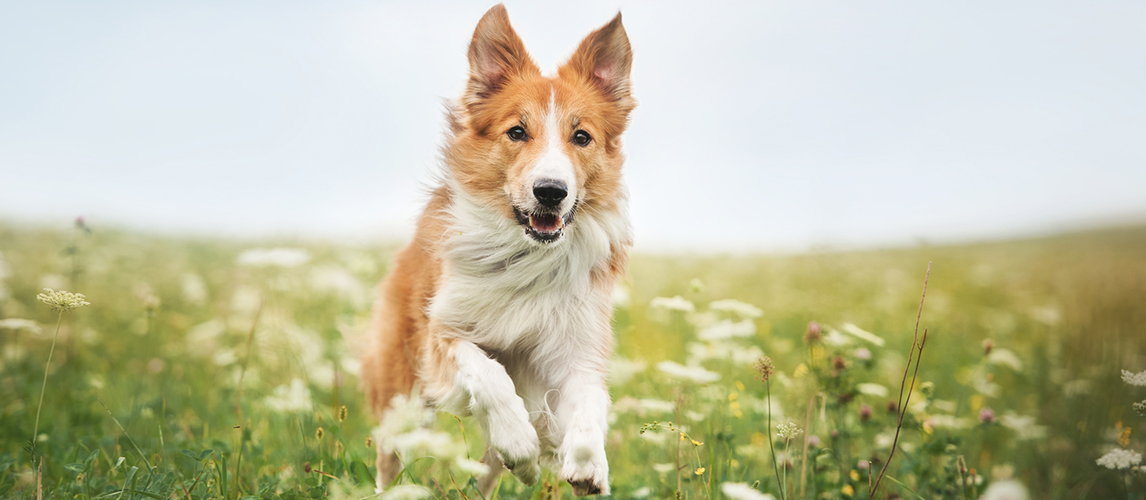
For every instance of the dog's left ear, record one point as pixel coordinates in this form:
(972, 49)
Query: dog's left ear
(604, 58)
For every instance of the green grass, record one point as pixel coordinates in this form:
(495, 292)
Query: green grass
(168, 333)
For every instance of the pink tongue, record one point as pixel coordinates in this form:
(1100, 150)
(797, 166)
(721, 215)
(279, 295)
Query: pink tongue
(546, 223)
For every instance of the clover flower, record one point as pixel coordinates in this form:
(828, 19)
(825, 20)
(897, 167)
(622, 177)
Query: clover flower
(1136, 379)
(1119, 459)
(62, 301)
(787, 431)
(812, 334)
(987, 416)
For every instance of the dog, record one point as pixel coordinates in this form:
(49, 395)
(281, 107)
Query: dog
(500, 307)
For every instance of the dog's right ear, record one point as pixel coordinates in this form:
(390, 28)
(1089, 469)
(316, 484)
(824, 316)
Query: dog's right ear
(496, 53)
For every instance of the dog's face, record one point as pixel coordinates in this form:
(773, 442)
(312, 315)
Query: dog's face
(541, 148)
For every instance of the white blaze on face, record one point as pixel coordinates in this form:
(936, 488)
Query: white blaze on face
(553, 163)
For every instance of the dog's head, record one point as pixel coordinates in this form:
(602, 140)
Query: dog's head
(541, 148)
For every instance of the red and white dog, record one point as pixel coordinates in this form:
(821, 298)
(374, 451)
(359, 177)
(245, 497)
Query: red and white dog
(501, 306)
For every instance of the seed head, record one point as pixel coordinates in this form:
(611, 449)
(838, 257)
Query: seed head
(988, 346)
(342, 413)
(319, 433)
(306, 467)
(369, 442)
(812, 334)
(62, 301)
(839, 363)
(764, 368)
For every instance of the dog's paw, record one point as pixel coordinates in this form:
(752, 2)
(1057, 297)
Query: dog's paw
(584, 465)
(515, 441)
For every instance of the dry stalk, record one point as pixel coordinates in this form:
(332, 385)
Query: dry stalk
(916, 347)
(807, 433)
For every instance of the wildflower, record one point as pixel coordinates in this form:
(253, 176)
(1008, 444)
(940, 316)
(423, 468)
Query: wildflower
(988, 345)
(17, 324)
(863, 354)
(872, 390)
(281, 257)
(296, 397)
(1140, 408)
(676, 303)
(863, 464)
(736, 307)
(1136, 379)
(664, 468)
(813, 441)
(893, 407)
(839, 363)
(407, 492)
(865, 412)
(987, 415)
(1024, 426)
(847, 490)
(1006, 357)
(812, 334)
(687, 373)
(742, 491)
(862, 334)
(1005, 490)
(621, 369)
(62, 301)
(787, 431)
(699, 471)
(472, 467)
(695, 285)
(764, 368)
(726, 329)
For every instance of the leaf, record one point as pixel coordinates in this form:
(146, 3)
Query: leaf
(205, 454)
(75, 467)
(361, 472)
(128, 480)
(190, 454)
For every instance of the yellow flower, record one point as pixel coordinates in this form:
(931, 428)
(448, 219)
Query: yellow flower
(800, 371)
(696, 443)
(855, 475)
(699, 470)
(847, 490)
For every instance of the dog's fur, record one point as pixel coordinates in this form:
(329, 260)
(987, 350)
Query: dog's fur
(501, 305)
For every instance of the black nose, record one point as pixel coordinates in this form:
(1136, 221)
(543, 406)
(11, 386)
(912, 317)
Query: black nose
(549, 192)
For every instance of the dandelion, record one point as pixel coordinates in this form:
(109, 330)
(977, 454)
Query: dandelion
(1135, 379)
(1119, 459)
(694, 374)
(742, 491)
(812, 334)
(62, 301)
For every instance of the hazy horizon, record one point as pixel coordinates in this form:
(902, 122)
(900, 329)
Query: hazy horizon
(761, 126)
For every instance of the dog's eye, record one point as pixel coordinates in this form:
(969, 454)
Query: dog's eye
(581, 138)
(516, 134)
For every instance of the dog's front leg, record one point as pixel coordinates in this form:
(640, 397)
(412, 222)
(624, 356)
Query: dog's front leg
(583, 411)
(482, 386)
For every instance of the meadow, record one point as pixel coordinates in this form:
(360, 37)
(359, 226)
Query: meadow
(226, 369)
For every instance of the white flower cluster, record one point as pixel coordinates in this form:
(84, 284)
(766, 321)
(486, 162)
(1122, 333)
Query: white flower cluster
(687, 373)
(1120, 459)
(787, 431)
(62, 301)
(744, 310)
(862, 334)
(296, 397)
(1136, 379)
(281, 257)
(676, 303)
(742, 491)
(405, 429)
(18, 324)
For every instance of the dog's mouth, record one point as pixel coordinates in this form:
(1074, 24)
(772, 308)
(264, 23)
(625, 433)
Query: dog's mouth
(544, 227)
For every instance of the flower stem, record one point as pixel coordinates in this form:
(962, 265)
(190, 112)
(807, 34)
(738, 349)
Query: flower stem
(771, 447)
(44, 387)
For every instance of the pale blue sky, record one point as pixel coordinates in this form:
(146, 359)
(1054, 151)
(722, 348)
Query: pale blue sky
(762, 125)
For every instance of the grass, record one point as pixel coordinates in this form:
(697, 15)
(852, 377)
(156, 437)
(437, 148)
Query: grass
(192, 375)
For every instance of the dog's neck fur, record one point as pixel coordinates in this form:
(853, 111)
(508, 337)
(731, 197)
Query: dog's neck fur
(506, 293)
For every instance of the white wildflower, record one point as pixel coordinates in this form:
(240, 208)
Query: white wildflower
(1000, 356)
(884, 440)
(723, 351)
(663, 468)
(17, 324)
(621, 370)
(949, 422)
(62, 301)
(1024, 426)
(726, 329)
(742, 491)
(687, 373)
(296, 397)
(641, 493)
(472, 467)
(194, 288)
(836, 339)
(944, 405)
(281, 257)
(872, 389)
(1136, 379)
(862, 334)
(787, 431)
(1119, 459)
(1047, 315)
(405, 414)
(407, 492)
(736, 307)
(224, 357)
(643, 406)
(426, 443)
(676, 303)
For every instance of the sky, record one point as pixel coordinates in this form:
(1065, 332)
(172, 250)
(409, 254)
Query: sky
(761, 125)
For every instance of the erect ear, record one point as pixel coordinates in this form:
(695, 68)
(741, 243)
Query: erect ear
(604, 58)
(495, 54)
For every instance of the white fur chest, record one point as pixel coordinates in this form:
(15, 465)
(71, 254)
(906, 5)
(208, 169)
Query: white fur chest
(504, 292)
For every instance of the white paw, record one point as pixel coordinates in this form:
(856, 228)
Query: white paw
(515, 440)
(584, 464)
